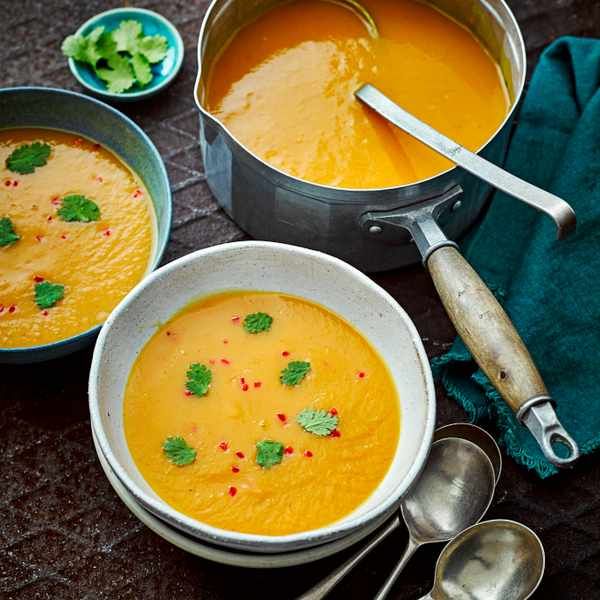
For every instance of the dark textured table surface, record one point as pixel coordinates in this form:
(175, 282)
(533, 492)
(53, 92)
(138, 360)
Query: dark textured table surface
(63, 531)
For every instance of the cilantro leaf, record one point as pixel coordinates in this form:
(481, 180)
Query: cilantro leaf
(48, 294)
(7, 232)
(178, 451)
(257, 322)
(153, 47)
(141, 69)
(27, 157)
(199, 378)
(294, 373)
(269, 453)
(119, 77)
(126, 36)
(319, 422)
(78, 208)
(84, 48)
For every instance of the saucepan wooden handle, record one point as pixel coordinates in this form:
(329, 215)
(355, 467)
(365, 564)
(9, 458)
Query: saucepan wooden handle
(485, 328)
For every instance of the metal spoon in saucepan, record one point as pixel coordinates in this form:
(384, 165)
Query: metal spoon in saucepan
(495, 560)
(453, 492)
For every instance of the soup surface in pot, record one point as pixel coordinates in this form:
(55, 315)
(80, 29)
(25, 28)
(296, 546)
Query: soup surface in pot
(284, 87)
(278, 423)
(76, 234)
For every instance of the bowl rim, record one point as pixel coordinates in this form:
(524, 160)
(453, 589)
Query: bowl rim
(74, 67)
(161, 244)
(217, 535)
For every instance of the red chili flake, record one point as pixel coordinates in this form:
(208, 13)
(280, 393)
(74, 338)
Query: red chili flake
(245, 387)
(8, 183)
(55, 200)
(211, 361)
(235, 318)
(235, 469)
(45, 313)
(361, 374)
(99, 178)
(15, 183)
(288, 450)
(225, 361)
(240, 454)
(224, 446)
(12, 308)
(285, 353)
(38, 279)
(1, 308)
(106, 232)
(232, 491)
(168, 333)
(49, 218)
(335, 433)
(38, 238)
(257, 384)
(308, 453)
(242, 380)
(281, 417)
(194, 428)
(138, 193)
(63, 237)
(187, 393)
(333, 411)
(97, 146)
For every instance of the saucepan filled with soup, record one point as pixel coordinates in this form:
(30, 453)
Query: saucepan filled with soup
(84, 216)
(293, 155)
(262, 396)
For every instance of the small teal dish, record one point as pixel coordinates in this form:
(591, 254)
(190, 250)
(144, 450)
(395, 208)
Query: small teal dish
(49, 108)
(152, 24)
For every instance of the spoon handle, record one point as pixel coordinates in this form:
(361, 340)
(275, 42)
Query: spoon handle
(321, 589)
(555, 207)
(389, 582)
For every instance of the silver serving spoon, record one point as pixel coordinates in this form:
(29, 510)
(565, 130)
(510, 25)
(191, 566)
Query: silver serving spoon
(495, 560)
(454, 491)
(477, 435)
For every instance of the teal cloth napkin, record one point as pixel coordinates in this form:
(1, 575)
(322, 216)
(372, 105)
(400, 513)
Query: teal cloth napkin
(550, 289)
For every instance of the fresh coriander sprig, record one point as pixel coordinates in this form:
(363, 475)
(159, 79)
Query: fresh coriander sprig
(121, 58)
(258, 322)
(269, 453)
(294, 373)
(8, 235)
(199, 378)
(78, 208)
(178, 451)
(27, 157)
(48, 294)
(319, 422)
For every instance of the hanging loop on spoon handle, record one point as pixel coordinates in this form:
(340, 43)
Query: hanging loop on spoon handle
(321, 589)
(555, 207)
(411, 548)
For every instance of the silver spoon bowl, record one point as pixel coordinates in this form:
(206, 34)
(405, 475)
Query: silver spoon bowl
(495, 560)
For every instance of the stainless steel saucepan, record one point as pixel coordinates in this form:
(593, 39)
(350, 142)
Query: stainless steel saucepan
(379, 229)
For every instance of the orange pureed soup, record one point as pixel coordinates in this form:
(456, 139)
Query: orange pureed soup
(278, 422)
(76, 234)
(284, 86)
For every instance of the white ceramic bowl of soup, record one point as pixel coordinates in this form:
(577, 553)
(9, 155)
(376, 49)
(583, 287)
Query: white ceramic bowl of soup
(265, 266)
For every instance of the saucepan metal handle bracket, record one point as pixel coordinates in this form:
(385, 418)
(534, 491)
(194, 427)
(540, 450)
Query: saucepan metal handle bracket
(420, 221)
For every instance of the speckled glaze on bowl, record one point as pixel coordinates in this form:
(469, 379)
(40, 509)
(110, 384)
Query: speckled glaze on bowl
(75, 113)
(152, 23)
(272, 267)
